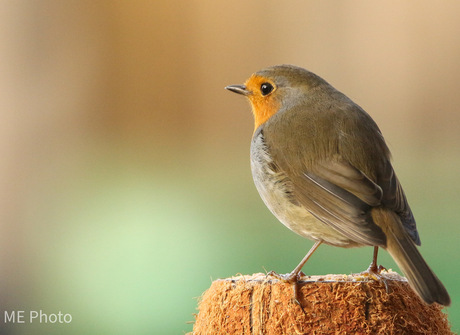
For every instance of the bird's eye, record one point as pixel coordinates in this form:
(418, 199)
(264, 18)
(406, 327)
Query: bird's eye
(266, 88)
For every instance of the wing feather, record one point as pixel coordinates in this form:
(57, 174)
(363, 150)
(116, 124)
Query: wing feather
(347, 207)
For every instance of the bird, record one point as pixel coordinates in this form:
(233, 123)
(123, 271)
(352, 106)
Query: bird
(322, 167)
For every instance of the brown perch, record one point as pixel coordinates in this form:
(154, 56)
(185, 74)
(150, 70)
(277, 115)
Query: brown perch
(330, 304)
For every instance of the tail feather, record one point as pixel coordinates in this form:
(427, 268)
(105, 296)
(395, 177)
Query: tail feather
(404, 251)
(421, 278)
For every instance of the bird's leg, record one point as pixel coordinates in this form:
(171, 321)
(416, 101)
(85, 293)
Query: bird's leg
(373, 268)
(376, 270)
(294, 276)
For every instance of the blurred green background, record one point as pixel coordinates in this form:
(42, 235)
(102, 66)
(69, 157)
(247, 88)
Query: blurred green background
(125, 179)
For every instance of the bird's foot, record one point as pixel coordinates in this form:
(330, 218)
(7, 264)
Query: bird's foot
(292, 278)
(376, 272)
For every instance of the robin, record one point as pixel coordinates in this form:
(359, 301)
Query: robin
(322, 167)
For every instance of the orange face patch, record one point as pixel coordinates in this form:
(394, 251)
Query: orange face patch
(263, 106)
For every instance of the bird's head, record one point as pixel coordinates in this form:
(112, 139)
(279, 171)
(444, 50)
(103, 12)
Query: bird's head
(274, 88)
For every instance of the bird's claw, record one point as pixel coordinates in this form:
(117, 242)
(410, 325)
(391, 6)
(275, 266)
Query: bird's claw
(376, 272)
(287, 277)
(293, 279)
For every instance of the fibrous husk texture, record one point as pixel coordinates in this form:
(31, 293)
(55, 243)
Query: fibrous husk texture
(332, 304)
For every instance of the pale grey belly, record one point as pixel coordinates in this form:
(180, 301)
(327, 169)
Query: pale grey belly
(276, 191)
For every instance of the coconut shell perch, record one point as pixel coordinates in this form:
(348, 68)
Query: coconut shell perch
(331, 304)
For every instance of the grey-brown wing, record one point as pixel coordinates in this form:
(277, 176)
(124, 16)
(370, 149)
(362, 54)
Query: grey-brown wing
(342, 197)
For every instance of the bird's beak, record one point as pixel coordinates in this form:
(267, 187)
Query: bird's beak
(240, 89)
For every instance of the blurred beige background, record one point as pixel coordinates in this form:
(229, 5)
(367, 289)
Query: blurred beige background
(125, 183)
